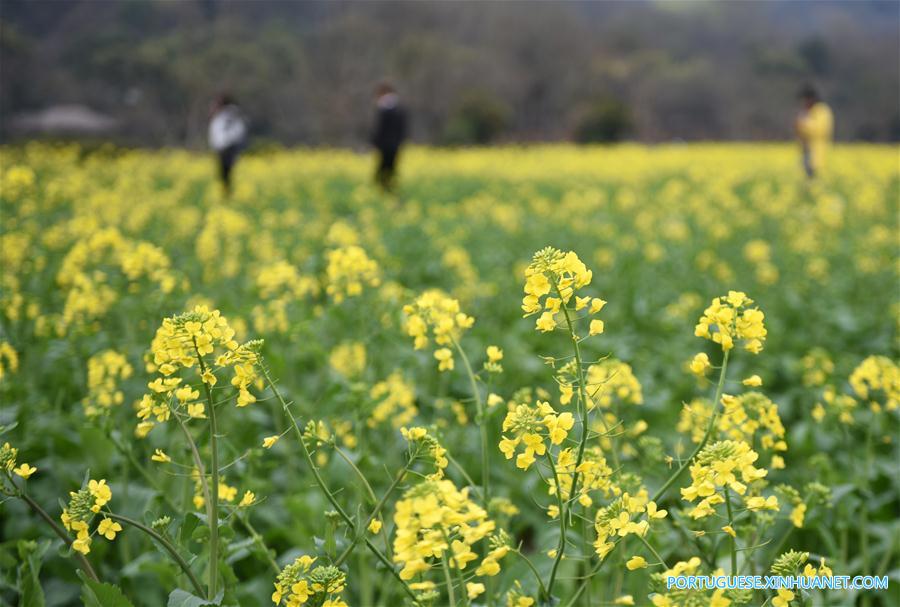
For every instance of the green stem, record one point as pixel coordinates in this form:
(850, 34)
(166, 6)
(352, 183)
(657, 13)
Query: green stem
(198, 463)
(214, 482)
(563, 516)
(375, 512)
(482, 424)
(543, 591)
(357, 471)
(451, 595)
(57, 529)
(198, 588)
(258, 540)
(734, 569)
(709, 430)
(582, 443)
(583, 397)
(324, 488)
(594, 572)
(652, 550)
(587, 553)
(459, 575)
(864, 511)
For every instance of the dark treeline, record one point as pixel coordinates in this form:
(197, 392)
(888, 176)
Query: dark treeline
(469, 72)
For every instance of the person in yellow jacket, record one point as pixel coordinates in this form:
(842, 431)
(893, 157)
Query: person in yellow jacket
(814, 126)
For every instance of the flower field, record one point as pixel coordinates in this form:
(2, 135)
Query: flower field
(538, 376)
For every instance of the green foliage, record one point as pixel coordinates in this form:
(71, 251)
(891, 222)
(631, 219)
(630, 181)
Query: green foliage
(480, 118)
(98, 594)
(31, 554)
(180, 598)
(304, 72)
(664, 229)
(605, 121)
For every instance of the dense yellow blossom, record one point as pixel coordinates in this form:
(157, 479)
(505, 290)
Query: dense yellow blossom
(348, 359)
(297, 584)
(624, 516)
(551, 280)
(105, 371)
(395, 400)
(435, 519)
(725, 466)
(878, 374)
(9, 359)
(434, 315)
(730, 318)
(535, 428)
(349, 271)
(83, 505)
(202, 340)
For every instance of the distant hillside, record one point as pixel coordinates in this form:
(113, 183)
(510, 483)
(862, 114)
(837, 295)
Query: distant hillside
(469, 72)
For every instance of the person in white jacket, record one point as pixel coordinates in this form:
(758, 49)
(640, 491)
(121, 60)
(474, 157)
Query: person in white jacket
(227, 136)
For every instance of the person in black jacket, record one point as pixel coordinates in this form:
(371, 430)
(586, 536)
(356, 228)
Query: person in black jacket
(390, 131)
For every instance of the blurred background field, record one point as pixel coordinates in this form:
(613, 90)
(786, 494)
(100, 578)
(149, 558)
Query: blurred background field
(665, 229)
(651, 138)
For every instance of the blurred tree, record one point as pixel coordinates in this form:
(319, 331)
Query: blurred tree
(304, 71)
(814, 51)
(479, 118)
(605, 121)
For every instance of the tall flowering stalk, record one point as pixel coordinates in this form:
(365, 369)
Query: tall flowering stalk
(436, 316)
(552, 282)
(727, 320)
(198, 345)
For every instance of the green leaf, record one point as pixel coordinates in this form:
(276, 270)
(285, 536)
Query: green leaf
(189, 525)
(182, 598)
(99, 594)
(30, 558)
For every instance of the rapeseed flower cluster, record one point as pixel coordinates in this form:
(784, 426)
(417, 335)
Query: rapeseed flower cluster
(83, 506)
(722, 466)
(730, 318)
(9, 359)
(535, 427)
(395, 400)
(593, 475)
(625, 515)
(280, 284)
(843, 406)
(84, 274)
(435, 315)
(612, 380)
(551, 280)
(349, 270)
(877, 374)
(220, 244)
(435, 520)
(105, 372)
(750, 417)
(300, 584)
(200, 339)
(9, 464)
(423, 445)
(348, 359)
(817, 367)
